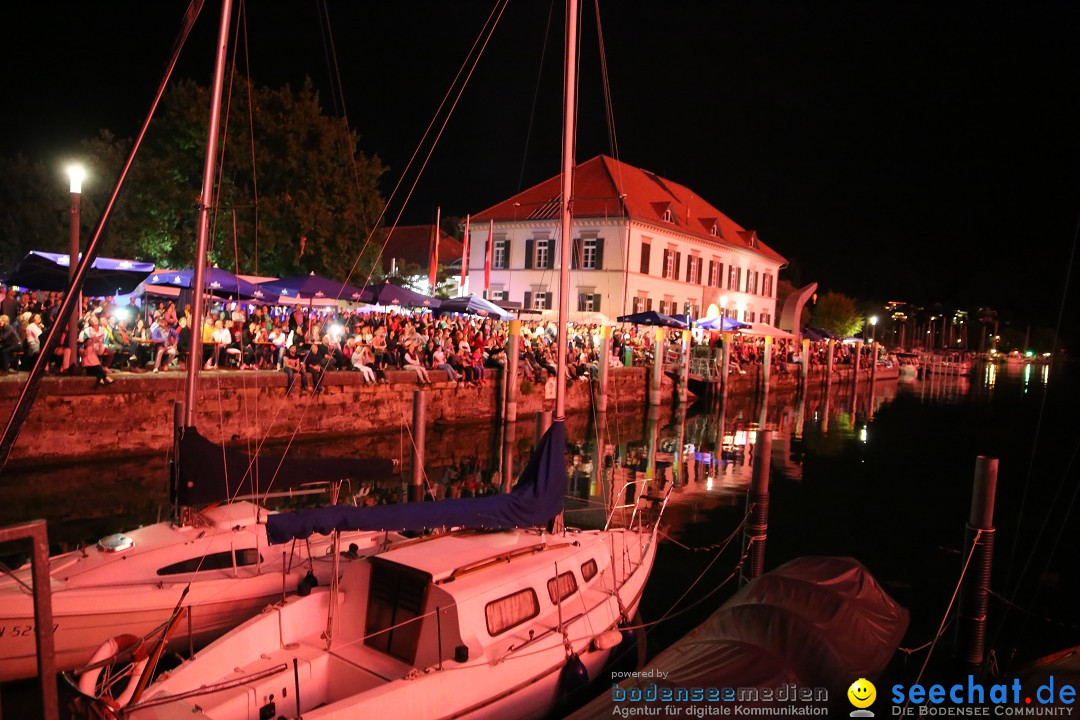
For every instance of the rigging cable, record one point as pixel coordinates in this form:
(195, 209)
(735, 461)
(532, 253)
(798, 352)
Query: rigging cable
(536, 95)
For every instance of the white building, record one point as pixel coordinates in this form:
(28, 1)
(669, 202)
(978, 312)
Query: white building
(641, 242)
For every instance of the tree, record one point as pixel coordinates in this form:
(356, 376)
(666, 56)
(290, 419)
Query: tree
(838, 314)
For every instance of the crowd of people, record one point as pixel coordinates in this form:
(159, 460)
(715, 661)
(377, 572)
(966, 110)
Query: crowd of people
(305, 343)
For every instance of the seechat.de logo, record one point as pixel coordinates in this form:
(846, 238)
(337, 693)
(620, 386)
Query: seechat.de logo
(861, 695)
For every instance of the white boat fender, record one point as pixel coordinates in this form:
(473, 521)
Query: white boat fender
(127, 644)
(573, 677)
(607, 640)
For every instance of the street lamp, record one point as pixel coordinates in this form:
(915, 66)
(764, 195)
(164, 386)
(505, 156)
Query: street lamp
(75, 176)
(873, 328)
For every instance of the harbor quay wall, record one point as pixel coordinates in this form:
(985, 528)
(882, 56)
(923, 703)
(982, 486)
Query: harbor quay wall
(72, 419)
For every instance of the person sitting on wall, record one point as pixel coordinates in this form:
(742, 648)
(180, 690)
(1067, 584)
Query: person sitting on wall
(292, 366)
(316, 362)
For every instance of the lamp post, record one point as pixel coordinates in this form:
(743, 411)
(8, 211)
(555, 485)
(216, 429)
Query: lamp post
(75, 176)
(873, 328)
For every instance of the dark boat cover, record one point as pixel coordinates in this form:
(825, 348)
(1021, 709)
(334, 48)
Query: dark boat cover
(818, 622)
(209, 474)
(535, 500)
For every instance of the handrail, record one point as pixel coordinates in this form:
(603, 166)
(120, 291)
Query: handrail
(499, 559)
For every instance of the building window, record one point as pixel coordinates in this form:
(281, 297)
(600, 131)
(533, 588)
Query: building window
(638, 304)
(669, 216)
(588, 256)
(734, 276)
(540, 300)
(561, 587)
(766, 318)
(498, 255)
(498, 295)
(542, 253)
(645, 248)
(714, 230)
(511, 611)
(716, 272)
(766, 285)
(693, 270)
(648, 304)
(589, 302)
(669, 264)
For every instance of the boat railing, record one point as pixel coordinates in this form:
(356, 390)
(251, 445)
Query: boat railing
(635, 506)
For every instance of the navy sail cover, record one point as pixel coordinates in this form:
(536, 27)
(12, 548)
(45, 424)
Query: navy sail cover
(535, 500)
(209, 474)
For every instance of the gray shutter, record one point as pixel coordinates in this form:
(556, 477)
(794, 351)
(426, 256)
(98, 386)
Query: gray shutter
(529, 253)
(596, 302)
(528, 297)
(678, 261)
(577, 247)
(599, 253)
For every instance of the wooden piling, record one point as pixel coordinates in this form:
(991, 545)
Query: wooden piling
(419, 433)
(757, 505)
(603, 361)
(979, 544)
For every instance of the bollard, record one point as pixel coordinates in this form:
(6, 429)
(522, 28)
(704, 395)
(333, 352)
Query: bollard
(828, 362)
(543, 422)
(510, 376)
(684, 369)
(419, 422)
(975, 592)
(757, 505)
(766, 363)
(628, 357)
(508, 476)
(725, 364)
(804, 369)
(658, 366)
(603, 360)
(858, 353)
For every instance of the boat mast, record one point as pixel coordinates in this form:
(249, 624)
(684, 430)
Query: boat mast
(569, 103)
(202, 240)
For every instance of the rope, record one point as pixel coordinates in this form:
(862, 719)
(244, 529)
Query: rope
(945, 618)
(536, 95)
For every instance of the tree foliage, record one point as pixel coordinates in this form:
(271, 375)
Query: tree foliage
(838, 314)
(294, 192)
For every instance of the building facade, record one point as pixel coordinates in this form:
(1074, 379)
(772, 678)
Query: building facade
(640, 242)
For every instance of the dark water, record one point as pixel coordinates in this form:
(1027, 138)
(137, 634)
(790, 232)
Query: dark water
(884, 477)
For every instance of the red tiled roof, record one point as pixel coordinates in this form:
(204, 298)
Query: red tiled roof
(412, 244)
(605, 187)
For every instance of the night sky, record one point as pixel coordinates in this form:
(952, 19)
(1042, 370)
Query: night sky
(892, 150)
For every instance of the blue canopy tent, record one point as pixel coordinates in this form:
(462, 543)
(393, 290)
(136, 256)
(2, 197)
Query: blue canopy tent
(651, 317)
(818, 335)
(220, 283)
(724, 324)
(534, 501)
(473, 305)
(390, 294)
(107, 276)
(313, 287)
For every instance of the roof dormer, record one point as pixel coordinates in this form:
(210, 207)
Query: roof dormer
(665, 211)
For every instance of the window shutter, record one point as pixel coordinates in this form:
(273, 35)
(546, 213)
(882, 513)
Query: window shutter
(689, 267)
(648, 304)
(581, 302)
(550, 263)
(663, 268)
(528, 295)
(529, 242)
(678, 261)
(599, 253)
(596, 302)
(645, 248)
(577, 247)
(720, 275)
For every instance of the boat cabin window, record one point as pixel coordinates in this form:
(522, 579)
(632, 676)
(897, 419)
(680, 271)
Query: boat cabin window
(511, 611)
(213, 561)
(397, 596)
(561, 587)
(588, 570)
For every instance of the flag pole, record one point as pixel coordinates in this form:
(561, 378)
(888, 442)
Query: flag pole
(465, 259)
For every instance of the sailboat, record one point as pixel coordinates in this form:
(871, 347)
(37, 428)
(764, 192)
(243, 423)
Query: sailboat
(211, 561)
(500, 617)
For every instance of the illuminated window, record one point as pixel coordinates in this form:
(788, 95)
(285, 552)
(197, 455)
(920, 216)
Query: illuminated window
(511, 611)
(561, 587)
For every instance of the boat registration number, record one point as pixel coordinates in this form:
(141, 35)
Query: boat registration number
(14, 631)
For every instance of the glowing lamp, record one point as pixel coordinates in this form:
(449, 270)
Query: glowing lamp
(75, 177)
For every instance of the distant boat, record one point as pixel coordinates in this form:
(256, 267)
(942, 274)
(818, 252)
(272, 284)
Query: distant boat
(946, 363)
(908, 364)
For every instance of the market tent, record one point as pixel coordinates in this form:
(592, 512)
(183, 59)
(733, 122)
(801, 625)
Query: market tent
(312, 288)
(720, 323)
(107, 276)
(220, 283)
(763, 329)
(651, 317)
(389, 294)
(473, 305)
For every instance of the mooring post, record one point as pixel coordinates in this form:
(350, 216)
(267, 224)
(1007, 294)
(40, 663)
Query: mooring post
(757, 508)
(419, 426)
(658, 366)
(804, 369)
(725, 364)
(603, 360)
(979, 543)
(873, 361)
(858, 354)
(766, 363)
(510, 375)
(684, 369)
(828, 362)
(543, 422)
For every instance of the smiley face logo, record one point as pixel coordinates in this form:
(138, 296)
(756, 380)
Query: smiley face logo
(862, 693)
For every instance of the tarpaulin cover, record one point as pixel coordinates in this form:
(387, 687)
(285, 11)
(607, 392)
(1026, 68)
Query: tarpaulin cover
(313, 287)
(815, 621)
(473, 305)
(107, 276)
(651, 317)
(390, 294)
(208, 474)
(220, 283)
(535, 500)
(724, 324)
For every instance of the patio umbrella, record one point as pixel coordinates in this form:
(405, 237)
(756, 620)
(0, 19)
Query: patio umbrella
(312, 287)
(107, 276)
(220, 283)
(817, 334)
(473, 305)
(651, 317)
(724, 324)
(390, 294)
